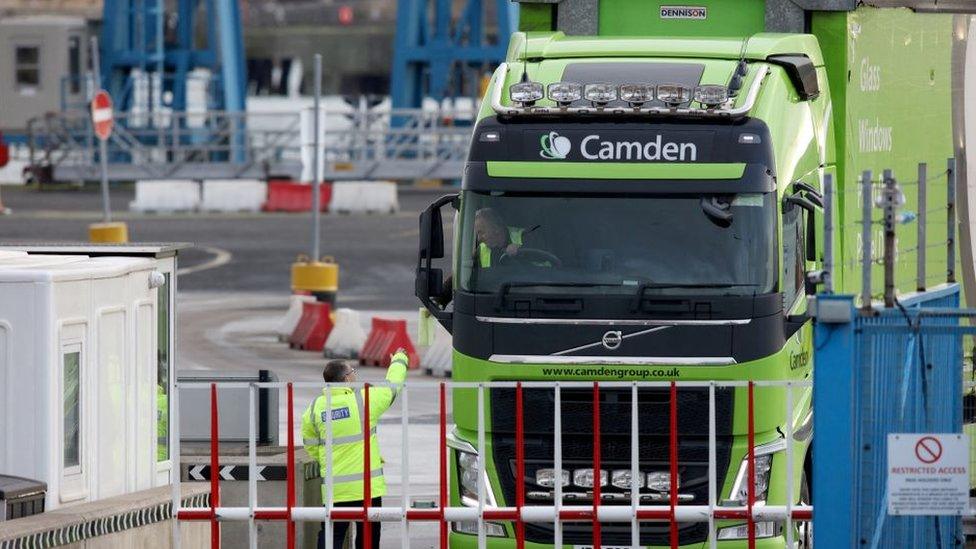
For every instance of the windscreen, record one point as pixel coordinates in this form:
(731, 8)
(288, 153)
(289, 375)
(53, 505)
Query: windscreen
(651, 244)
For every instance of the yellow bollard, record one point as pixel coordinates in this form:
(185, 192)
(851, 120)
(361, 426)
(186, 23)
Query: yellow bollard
(320, 278)
(114, 232)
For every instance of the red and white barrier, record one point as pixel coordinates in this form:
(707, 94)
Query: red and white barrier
(437, 359)
(364, 197)
(290, 196)
(294, 313)
(233, 195)
(313, 327)
(386, 336)
(481, 511)
(175, 195)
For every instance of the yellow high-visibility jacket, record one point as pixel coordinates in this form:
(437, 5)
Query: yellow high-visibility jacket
(348, 447)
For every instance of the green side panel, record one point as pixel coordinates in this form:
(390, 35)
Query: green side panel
(615, 170)
(643, 18)
(891, 82)
(536, 17)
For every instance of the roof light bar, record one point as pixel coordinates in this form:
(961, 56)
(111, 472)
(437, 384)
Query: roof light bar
(706, 104)
(637, 94)
(526, 93)
(565, 93)
(674, 95)
(600, 93)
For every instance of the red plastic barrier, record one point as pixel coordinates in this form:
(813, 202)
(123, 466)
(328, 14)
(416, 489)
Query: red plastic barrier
(313, 327)
(385, 337)
(289, 196)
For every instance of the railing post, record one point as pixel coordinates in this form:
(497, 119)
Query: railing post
(835, 390)
(951, 220)
(751, 466)
(674, 476)
(443, 465)
(519, 468)
(597, 476)
(866, 252)
(890, 199)
(290, 468)
(922, 220)
(214, 469)
(829, 233)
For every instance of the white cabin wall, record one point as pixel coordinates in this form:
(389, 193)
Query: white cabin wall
(70, 313)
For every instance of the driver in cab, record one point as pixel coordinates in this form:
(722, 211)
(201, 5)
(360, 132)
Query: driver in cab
(494, 239)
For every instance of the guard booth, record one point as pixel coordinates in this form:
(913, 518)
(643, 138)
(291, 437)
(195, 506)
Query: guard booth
(86, 362)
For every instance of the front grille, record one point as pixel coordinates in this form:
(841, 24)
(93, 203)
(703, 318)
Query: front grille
(615, 418)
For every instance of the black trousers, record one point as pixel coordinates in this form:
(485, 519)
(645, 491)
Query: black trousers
(339, 529)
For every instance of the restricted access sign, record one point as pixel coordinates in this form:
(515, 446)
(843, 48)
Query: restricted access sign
(928, 474)
(101, 113)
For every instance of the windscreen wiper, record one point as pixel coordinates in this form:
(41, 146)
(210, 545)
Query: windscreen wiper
(644, 286)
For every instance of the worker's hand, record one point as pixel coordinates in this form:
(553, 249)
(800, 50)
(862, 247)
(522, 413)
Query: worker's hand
(512, 249)
(400, 353)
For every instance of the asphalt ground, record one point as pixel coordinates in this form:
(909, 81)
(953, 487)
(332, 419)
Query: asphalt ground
(377, 254)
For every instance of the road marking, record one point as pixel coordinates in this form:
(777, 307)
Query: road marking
(221, 257)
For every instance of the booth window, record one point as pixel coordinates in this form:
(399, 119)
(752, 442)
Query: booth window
(162, 369)
(71, 362)
(27, 67)
(74, 64)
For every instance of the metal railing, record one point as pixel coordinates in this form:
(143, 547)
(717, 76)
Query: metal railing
(674, 513)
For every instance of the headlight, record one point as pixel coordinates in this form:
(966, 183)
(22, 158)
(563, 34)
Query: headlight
(764, 465)
(637, 94)
(741, 531)
(600, 94)
(673, 95)
(622, 479)
(525, 92)
(584, 478)
(711, 96)
(468, 475)
(564, 93)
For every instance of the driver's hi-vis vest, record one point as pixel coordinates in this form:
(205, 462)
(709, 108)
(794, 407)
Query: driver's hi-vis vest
(348, 447)
(484, 252)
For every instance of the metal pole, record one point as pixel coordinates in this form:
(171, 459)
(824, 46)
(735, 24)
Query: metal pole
(866, 239)
(829, 233)
(890, 205)
(951, 220)
(316, 170)
(102, 143)
(923, 169)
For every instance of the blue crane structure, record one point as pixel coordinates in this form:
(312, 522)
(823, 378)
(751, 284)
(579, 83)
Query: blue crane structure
(431, 52)
(143, 34)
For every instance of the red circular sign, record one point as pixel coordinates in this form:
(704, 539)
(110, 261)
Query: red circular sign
(101, 113)
(345, 15)
(928, 449)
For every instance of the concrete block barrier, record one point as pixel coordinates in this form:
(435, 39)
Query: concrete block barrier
(385, 337)
(436, 361)
(347, 336)
(364, 197)
(168, 195)
(288, 322)
(233, 195)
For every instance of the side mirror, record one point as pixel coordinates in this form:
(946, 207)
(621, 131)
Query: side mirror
(429, 280)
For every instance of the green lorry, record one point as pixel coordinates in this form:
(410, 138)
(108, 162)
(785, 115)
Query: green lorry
(643, 200)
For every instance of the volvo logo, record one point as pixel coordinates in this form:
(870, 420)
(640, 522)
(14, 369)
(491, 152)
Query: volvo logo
(612, 340)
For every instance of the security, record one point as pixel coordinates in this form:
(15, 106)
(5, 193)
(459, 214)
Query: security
(347, 409)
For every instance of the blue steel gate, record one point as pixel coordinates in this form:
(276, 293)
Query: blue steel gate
(895, 370)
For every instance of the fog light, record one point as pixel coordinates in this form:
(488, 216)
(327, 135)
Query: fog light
(711, 96)
(637, 94)
(547, 478)
(621, 479)
(584, 478)
(492, 529)
(600, 94)
(673, 95)
(741, 531)
(525, 93)
(564, 93)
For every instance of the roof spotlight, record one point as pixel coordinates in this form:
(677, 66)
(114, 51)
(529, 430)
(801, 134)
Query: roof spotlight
(673, 95)
(526, 93)
(711, 96)
(637, 94)
(600, 93)
(564, 93)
